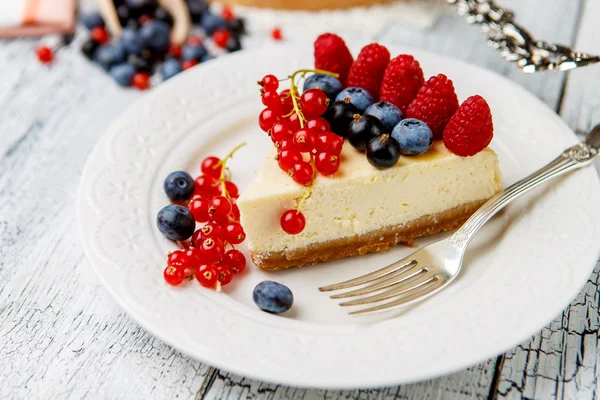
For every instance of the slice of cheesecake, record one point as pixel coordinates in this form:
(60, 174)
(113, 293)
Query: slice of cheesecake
(361, 209)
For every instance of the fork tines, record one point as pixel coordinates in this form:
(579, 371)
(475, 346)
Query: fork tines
(401, 282)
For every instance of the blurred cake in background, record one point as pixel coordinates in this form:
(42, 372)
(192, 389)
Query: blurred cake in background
(305, 4)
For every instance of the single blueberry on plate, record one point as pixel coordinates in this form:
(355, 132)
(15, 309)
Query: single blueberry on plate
(170, 68)
(155, 36)
(92, 20)
(132, 40)
(211, 22)
(359, 97)
(413, 136)
(193, 52)
(387, 113)
(175, 222)
(273, 297)
(122, 73)
(179, 186)
(327, 83)
(110, 55)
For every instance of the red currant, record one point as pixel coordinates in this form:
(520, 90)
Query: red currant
(207, 275)
(287, 105)
(327, 163)
(212, 249)
(144, 19)
(205, 186)
(173, 276)
(220, 37)
(175, 50)
(44, 54)
(302, 173)
(194, 40)
(235, 213)
(211, 166)
(177, 258)
(198, 206)
(281, 130)
(232, 189)
(224, 275)
(267, 118)
(287, 158)
(285, 144)
(270, 98)
(236, 260)
(187, 64)
(292, 222)
(227, 14)
(219, 208)
(314, 102)
(99, 35)
(294, 121)
(213, 230)
(304, 139)
(141, 80)
(234, 233)
(276, 34)
(318, 124)
(330, 142)
(194, 257)
(269, 82)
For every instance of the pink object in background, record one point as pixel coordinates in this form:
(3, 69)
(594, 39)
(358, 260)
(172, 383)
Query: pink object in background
(36, 17)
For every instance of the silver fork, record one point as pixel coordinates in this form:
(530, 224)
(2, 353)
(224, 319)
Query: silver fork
(431, 268)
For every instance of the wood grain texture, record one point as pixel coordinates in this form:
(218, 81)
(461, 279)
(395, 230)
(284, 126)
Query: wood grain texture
(64, 337)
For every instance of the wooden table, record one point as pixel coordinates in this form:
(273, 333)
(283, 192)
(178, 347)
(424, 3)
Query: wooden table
(62, 336)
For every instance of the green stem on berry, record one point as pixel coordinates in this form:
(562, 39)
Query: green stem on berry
(304, 197)
(223, 164)
(294, 89)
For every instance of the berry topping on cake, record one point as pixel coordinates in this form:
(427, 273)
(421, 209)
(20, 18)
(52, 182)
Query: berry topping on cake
(383, 151)
(340, 115)
(327, 163)
(362, 130)
(413, 136)
(292, 222)
(327, 83)
(314, 102)
(359, 97)
(470, 129)
(401, 81)
(435, 104)
(387, 113)
(332, 54)
(368, 69)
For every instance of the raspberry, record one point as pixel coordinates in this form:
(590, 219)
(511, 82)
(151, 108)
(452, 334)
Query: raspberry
(368, 69)
(435, 104)
(470, 129)
(401, 81)
(331, 54)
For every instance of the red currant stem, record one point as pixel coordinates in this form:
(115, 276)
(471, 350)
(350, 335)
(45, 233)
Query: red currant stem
(225, 170)
(294, 89)
(304, 197)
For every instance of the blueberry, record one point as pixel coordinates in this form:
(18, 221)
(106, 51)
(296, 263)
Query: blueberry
(362, 129)
(237, 26)
(122, 73)
(383, 151)
(110, 55)
(124, 14)
(175, 222)
(273, 297)
(155, 37)
(387, 113)
(193, 52)
(179, 186)
(89, 48)
(170, 68)
(358, 96)
(340, 114)
(163, 15)
(141, 3)
(140, 63)
(413, 136)
(207, 57)
(92, 20)
(197, 8)
(211, 22)
(132, 40)
(327, 83)
(233, 44)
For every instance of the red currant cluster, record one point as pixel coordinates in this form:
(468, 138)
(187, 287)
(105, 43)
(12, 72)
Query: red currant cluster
(305, 145)
(205, 255)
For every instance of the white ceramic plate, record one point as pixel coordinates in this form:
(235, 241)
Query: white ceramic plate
(521, 271)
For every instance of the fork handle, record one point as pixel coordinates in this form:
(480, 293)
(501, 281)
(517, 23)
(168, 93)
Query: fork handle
(574, 157)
